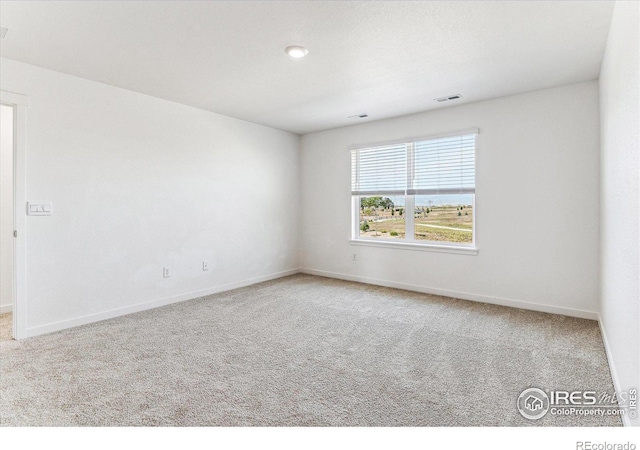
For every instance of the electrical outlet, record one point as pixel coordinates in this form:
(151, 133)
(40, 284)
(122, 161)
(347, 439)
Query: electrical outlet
(166, 272)
(205, 266)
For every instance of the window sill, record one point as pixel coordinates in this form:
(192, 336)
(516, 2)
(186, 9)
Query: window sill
(457, 249)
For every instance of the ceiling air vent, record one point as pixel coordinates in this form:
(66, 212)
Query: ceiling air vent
(447, 98)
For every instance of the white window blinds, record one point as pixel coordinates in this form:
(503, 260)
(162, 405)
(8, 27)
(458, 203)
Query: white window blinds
(444, 166)
(439, 165)
(379, 170)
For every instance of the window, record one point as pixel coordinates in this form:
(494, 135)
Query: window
(416, 192)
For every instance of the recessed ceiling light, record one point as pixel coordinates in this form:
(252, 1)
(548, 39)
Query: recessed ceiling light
(296, 51)
(3, 31)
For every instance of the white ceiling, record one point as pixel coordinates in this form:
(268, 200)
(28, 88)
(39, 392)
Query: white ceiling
(384, 58)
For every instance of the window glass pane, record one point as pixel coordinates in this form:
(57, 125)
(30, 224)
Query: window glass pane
(382, 217)
(444, 218)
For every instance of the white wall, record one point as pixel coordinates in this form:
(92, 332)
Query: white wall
(620, 196)
(537, 204)
(6, 208)
(138, 183)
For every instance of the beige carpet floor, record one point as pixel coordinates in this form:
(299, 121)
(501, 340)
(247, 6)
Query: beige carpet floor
(5, 326)
(303, 350)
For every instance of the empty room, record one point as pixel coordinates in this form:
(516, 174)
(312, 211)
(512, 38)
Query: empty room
(320, 214)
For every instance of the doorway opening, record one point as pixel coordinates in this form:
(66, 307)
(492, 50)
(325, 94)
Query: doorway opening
(7, 117)
(13, 320)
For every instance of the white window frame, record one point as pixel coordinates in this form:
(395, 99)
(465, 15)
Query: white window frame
(409, 242)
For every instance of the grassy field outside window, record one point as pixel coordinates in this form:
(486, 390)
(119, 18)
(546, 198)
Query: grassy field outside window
(385, 218)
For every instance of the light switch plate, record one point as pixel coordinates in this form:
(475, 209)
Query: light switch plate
(39, 209)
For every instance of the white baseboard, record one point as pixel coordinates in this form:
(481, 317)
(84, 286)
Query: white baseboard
(6, 308)
(612, 368)
(582, 314)
(84, 320)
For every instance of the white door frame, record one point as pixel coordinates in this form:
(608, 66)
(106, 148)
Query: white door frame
(19, 104)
